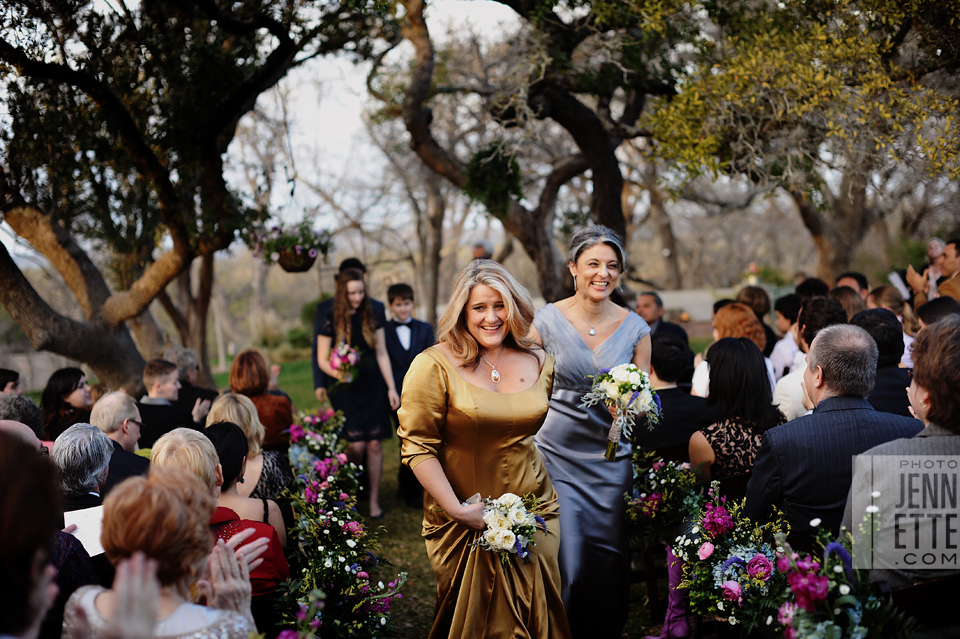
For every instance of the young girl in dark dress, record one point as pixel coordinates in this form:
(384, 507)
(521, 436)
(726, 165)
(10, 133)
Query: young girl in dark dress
(366, 400)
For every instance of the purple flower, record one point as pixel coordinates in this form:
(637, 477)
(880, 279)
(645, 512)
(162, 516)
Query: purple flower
(298, 249)
(842, 553)
(603, 371)
(288, 634)
(541, 521)
(759, 567)
(634, 397)
(312, 252)
(717, 521)
(730, 562)
(808, 589)
(656, 400)
(732, 591)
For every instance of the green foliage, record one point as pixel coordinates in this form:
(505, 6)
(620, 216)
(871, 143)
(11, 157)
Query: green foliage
(298, 337)
(493, 179)
(308, 311)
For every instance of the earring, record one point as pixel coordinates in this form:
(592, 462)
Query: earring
(574, 282)
(240, 481)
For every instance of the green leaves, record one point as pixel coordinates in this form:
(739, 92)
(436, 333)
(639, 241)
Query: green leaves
(493, 179)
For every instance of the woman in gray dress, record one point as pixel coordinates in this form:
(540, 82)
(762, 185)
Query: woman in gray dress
(585, 333)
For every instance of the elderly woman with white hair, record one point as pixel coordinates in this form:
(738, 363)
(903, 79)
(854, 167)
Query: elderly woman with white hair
(82, 456)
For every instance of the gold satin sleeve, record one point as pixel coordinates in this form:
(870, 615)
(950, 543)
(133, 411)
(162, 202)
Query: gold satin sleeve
(423, 409)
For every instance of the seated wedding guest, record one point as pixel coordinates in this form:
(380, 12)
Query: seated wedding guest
(268, 472)
(932, 311)
(850, 299)
(812, 287)
(157, 408)
(888, 297)
(889, 394)
(787, 309)
(66, 400)
(732, 320)
(816, 314)
(30, 506)
(117, 416)
(189, 450)
(681, 411)
(19, 408)
(164, 516)
(650, 308)
(857, 282)
(803, 467)
(249, 376)
(9, 382)
(935, 397)
(188, 372)
(82, 456)
(757, 299)
(739, 410)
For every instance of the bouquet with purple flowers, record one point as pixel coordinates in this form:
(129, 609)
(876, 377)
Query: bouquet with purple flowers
(665, 496)
(511, 523)
(625, 389)
(730, 564)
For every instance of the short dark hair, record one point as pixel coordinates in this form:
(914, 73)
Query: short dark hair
(20, 408)
(669, 356)
(7, 376)
(847, 355)
(854, 275)
(789, 306)
(935, 310)
(401, 291)
(936, 367)
(813, 287)
(721, 303)
(352, 262)
(817, 314)
(756, 298)
(655, 296)
(30, 504)
(886, 331)
(955, 241)
(232, 447)
(155, 370)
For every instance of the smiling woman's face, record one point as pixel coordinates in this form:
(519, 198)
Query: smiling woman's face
(486, 317)
(597, 271)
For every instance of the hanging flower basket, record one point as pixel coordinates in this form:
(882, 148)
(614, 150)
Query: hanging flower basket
(292, 262)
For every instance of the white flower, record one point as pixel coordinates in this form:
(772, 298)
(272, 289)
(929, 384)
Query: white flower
(328, 563)
(696, 529)
(610, 389)
(838, 568)
(505, 539)
(875, 494)
(490, 536)
(341, 559)
(495, 520)
(351, 543)
(383, 621)
(517, 516)
(530, 520)
(620, 374)
(814, 522)
(634, 378)
(509, 500)
(719, 605)
(844, 589)
(873, 509)
(380, 585)
(644, 401)
(769, 619)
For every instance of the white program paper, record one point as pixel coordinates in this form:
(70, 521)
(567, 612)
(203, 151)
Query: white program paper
(89, 521)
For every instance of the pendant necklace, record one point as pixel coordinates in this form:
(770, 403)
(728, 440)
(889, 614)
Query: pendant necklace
(494, 374)
(592, 330)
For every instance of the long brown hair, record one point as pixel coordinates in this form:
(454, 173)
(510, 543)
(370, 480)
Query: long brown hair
(342, 308)
(888, 297)
(452, 325)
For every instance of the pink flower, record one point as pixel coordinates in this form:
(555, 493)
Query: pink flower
(288, 634)
(297, 433)
(657, 465)
(705, 550)
(787, 611)
(327, 414)
(717, 521)
(783, 561)
(363, 575)
(352, 528)
(342, 458)
(344, 496)
(732, 591)
(808, 589)
(759, 567)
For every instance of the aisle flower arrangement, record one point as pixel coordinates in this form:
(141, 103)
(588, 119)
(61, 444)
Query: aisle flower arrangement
(338, 591)
(832, 599)
(511, 523)
(626, 390)
(665, 496)
(730, 564)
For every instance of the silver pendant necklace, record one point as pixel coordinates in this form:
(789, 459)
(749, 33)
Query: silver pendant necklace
(592, 330)
(494, 374)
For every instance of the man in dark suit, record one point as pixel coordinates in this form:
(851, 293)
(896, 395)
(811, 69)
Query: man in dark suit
(681, 410)
(321, 381)
(117, 416)
(650, 308)
(804, 467)
(890, 390)
(406, 338)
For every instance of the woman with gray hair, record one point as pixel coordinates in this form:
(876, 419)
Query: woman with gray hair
(584, 333)
(82, 456)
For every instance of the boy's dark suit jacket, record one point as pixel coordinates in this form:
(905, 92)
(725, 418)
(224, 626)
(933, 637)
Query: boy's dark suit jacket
(421, 338)
(805, 467)
(681, 419)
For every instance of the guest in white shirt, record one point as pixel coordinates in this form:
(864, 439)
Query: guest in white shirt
(787, 308)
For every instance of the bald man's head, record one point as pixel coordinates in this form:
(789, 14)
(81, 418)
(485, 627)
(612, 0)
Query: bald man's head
(22, 431)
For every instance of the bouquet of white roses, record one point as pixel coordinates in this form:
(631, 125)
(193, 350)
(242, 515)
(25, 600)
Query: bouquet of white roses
(626, 389)
(511, 522)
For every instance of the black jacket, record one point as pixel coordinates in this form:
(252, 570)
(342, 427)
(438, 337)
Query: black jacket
(421, 338)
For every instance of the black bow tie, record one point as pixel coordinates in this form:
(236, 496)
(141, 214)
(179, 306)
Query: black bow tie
(407, 323)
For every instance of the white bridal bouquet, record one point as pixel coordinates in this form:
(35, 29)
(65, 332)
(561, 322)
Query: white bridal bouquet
(626, 389)
(511, 522)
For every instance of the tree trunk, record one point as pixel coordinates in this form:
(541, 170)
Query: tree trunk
(436, 211)
(672, 277)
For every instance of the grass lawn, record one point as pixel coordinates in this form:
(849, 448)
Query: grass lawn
(400, 541)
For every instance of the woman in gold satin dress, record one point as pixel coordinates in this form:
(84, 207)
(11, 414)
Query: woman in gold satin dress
(470, 407)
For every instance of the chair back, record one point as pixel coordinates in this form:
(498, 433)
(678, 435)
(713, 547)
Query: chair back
(734, 487)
